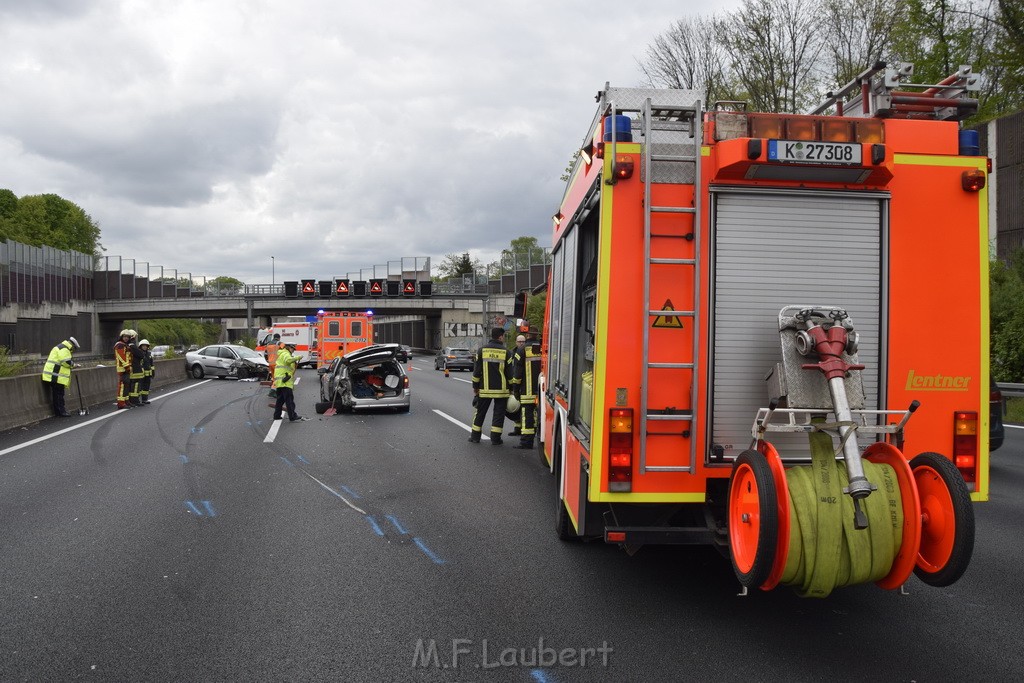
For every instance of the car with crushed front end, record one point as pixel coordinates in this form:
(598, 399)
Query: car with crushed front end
(368, 378)
(226, 360)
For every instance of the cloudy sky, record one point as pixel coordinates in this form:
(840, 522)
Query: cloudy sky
(210, 135)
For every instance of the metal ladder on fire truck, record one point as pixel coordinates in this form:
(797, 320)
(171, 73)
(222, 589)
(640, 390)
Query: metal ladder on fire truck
(670, 123)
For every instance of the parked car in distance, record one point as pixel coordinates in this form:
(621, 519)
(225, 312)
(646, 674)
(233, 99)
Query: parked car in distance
(404, 353)
(454, 358)
(226, 360)
(159, 351)
(370, 377)
(996, 430)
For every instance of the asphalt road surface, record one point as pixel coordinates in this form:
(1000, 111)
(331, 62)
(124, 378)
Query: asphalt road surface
(187, 540)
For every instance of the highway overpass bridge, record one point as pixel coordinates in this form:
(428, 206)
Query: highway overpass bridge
(48, 294)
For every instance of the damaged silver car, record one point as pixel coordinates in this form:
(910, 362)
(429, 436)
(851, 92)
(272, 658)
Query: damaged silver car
(371, 377)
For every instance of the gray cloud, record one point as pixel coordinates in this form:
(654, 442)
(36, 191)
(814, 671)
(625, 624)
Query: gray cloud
(332, 137)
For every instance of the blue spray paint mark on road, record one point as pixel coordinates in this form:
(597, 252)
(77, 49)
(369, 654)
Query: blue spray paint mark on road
(197, 430)
(192, 507)
(539, 676)
(287, 461)
(209, 508)
(376, 527)
(184, 459)
(397, 524)
(426, 551)
(304, 460)
(349, 491)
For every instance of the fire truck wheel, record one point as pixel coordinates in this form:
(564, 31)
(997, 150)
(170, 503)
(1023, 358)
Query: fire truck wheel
(947, 520)
(753, 519)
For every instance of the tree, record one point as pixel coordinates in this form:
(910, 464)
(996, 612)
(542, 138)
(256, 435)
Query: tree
(1006, 316)
(226, 284)
(48, 220)
(774, 47)
(860, 35)
(535, 306)
(455, 265)
(690, 56)
(937, 36)
(522, 253)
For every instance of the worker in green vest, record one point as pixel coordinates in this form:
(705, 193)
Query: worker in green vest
(284, 382)
(57, 373)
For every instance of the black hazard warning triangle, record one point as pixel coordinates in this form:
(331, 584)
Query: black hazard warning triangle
(668, 320)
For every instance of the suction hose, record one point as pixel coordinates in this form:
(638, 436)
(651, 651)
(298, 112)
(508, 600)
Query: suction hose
(825, 550)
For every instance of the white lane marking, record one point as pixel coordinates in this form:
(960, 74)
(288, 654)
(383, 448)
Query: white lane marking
(1013, 426)
(459, 379)
(275, 425)
(333, 492)
(96, 419)
(453, 420)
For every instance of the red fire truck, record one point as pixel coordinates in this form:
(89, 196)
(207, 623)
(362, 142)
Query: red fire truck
(769, 332)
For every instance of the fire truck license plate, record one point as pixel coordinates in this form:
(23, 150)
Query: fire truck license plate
(814, 152)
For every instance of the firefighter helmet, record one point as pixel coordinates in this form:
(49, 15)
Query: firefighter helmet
(144, 342)
(126, 333)
(512, 404)
(74, 341)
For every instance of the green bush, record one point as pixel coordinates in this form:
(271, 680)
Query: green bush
(8, 367)
(1014, 410)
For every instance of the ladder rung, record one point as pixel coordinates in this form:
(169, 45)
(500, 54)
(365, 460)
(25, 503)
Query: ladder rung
(678, 314)
(686, 417)
(673, 209)
(674, 261)
(680, 158)
(679, 366)
(667, 468)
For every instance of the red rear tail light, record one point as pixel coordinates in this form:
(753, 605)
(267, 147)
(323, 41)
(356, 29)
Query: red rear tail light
(620, 449)
(973, 181)
(405, 381)
(965, 444)
(623, 167)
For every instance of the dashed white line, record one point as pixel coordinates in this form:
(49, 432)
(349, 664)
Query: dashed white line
(453, 420)
(275, 425)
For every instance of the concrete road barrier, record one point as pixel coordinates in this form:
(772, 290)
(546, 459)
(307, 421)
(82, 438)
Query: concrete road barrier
(26, 399)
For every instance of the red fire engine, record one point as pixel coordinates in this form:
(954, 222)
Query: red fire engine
(769, 333)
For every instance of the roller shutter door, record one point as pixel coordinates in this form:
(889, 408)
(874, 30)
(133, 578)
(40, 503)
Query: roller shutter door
(777, 249)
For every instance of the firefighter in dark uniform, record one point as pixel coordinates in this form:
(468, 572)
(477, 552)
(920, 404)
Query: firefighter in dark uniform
(490, 384)
(528, 377)
(514, 371)
(147, 372)
(135, 373)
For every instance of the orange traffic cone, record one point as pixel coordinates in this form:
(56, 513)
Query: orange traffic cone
(446, 371)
